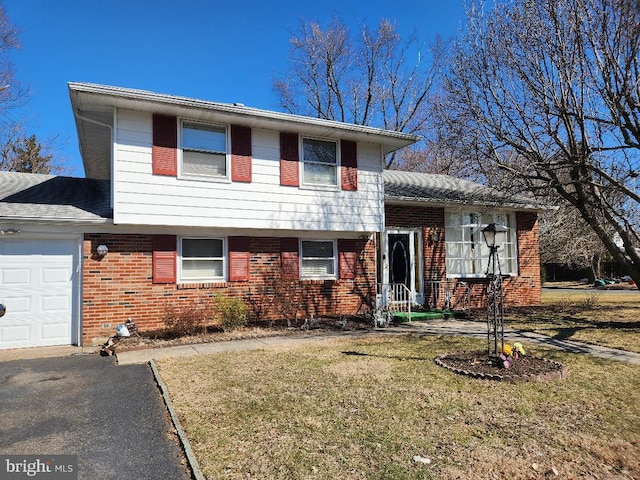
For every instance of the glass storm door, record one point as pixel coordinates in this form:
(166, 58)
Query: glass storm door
(400, 259)
(403, 261)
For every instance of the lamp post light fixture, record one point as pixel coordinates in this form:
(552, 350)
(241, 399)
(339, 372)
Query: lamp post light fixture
(494, 236)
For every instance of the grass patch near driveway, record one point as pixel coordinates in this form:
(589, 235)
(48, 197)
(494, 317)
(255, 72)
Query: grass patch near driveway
(364, 408)
(610, 319)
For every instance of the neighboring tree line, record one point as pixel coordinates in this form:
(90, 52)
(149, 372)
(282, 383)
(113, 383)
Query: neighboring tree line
(535, 96)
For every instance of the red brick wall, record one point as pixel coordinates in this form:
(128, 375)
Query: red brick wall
(521, 290)
(119, 286)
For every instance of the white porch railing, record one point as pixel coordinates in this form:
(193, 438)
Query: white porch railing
(395, 297)
(448, 294)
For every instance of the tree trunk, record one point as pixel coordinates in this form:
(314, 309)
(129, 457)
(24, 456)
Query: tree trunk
(596, 268)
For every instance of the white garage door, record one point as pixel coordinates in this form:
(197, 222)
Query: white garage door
(37, 287)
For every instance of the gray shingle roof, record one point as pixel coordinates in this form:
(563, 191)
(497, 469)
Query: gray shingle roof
(435, 189)
(50, 197)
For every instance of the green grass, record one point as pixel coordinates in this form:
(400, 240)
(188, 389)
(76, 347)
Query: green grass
(591, 316)
(356, 409)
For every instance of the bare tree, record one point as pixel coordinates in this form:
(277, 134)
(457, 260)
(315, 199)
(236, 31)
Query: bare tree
(550, 90)
(372, 78)
(12, 94)
(565, 240)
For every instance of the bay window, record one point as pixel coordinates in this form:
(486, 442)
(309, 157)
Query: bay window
(467, 254)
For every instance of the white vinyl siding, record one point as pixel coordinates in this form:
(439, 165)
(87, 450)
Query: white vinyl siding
(202, 259)
(318, 259)
(467, 254)
(141, 198)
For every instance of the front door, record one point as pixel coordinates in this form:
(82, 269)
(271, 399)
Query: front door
(400, 264)
(402, 251)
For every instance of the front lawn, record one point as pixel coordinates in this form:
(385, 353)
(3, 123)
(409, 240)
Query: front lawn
(379, 408)
(610, 319)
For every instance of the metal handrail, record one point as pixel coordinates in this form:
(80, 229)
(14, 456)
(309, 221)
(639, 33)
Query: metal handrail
(443, 292)
(395, 297)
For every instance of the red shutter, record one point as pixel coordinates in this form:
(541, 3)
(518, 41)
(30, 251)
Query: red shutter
(164, 259)
(289, 257)
(289, 159)
(349, 165)
(239, 256)
(240, 154)
(347, 258)
(165, 144)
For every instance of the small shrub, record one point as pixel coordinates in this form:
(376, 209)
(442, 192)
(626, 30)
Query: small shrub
(188, 318)
(232, 311)
(286, 298)
(591, 301)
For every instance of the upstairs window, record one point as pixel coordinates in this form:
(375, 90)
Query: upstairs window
(204, 150)
(318, 259)
(320, 162)
(202, 259)
(467, 254)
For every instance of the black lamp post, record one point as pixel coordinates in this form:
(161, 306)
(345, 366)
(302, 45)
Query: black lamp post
(494, 236)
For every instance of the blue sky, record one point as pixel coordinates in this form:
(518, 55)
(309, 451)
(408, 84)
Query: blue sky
(224, 51)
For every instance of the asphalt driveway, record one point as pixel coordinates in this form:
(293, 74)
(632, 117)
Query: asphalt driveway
(112, 417)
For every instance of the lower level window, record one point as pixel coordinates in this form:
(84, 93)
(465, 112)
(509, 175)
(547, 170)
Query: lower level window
(318, 259)
(202, 259)
(467, 254)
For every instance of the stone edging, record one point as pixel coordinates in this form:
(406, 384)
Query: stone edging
(557, 371)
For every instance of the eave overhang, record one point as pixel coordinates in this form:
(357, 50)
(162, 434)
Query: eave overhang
(93, 108)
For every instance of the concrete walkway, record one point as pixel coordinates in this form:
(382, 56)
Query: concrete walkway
(438, 327)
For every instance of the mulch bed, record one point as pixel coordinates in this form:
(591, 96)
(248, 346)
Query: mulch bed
(526, 368)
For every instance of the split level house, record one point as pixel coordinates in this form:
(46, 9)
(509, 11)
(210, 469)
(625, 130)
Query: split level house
(185, 199)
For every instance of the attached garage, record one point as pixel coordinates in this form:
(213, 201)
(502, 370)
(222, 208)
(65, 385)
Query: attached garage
(39, 287)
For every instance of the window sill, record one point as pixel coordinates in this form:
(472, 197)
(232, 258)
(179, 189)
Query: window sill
(204, 178)
(317, 281)
(321, 188)
(196, 285)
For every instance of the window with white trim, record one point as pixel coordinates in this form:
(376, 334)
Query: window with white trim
(319, 162)
(467, 254)
(318, 259)
(202, 259)
(204, 150)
